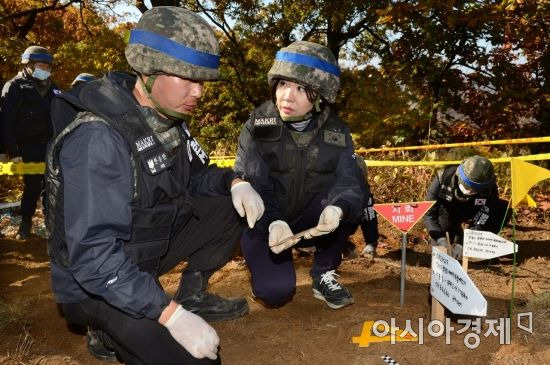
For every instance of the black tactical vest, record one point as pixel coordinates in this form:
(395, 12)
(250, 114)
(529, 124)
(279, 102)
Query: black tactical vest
(301, 164)
(33, 112)
(158, 197)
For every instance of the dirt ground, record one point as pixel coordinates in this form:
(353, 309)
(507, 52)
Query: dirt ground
(305, 331)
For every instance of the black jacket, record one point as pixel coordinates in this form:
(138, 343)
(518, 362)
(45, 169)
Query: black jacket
(114, 201)
(288, 168)
(451, 207)
(26, 113)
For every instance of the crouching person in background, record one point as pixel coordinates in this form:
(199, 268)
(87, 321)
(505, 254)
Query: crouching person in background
(465, 195)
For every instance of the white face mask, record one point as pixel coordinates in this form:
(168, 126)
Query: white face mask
(40, 74)
(465, 190)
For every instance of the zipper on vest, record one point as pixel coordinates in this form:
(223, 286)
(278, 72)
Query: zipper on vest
(301, 178)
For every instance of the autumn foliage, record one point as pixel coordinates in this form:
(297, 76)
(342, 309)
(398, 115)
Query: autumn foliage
(413, 72)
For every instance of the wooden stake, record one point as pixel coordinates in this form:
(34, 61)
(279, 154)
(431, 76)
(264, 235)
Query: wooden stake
(465, 263)
(438, 310)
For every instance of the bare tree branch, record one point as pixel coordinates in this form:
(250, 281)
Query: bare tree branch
(55, 5)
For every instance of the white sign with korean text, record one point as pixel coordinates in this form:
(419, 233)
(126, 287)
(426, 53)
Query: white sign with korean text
(486, 245)
(453, 288)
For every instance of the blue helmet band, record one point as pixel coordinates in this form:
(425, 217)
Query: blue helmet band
(37, 57)
(470, 183)
(174, 49)
(309, 61)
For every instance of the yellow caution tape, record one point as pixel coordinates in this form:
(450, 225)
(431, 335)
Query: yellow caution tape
(22, 168)
(377, 163)
(451, 145)
(25, 168)
(229, 162)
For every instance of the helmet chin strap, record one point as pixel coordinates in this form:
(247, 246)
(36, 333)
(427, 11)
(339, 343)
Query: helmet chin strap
(147, 88)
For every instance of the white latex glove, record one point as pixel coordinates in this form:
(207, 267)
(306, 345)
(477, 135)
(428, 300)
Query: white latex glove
(193, 333)
(16, 159)
(247, 202)
(279, 231)
(3, 157)
(441, 241)
(456, 251)
(328, 222)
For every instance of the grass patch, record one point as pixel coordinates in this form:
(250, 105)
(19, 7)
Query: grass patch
(11, 313)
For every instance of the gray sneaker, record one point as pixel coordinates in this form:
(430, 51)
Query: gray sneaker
(328, 289)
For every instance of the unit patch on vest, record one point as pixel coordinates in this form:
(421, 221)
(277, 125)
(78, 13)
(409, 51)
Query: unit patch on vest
(157, 163)
(145, 143)
(334, 138)
(480, 201)
(265, 121)
(193, 145)
(26, 86)
(267, 129)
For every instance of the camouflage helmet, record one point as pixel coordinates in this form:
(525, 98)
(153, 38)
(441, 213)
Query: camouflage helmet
(172, 40)
(309, 64)
(476, 173)
(82, 77)
(36, 54)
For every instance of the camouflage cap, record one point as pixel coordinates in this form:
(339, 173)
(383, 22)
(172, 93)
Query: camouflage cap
(36, 54)
(309, 64)
(176, 41)
(476, 172)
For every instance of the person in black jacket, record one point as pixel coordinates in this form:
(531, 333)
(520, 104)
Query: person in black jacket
(466, 194)
(131, 194)
(26, 124)
(368, 223)
(299, 156)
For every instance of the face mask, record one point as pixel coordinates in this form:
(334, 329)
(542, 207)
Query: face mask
(40, 74)
(465, 190)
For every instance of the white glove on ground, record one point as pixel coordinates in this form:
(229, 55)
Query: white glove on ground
(456, 251)
(193, 333)
(17, 159)
(247, 202)
(328, 222)
(278, 232)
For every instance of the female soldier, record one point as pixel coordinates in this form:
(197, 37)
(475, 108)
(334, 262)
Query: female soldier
(300, 157)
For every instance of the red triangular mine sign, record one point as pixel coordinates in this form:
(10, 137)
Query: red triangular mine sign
(403, 215)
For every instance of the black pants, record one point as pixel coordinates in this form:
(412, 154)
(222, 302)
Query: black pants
(273, 275)
(32, 184)
(206, 242)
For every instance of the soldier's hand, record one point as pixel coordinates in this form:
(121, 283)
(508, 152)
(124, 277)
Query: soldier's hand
(456, 251)
(279, 237)
(441, 241)
(247, 202)
(193, 333)
(328, 222)
(16, 159)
